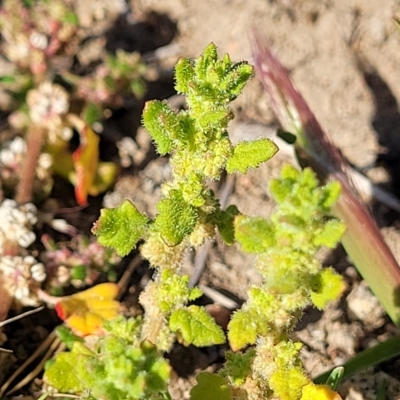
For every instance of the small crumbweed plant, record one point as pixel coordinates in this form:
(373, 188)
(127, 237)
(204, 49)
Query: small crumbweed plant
(126, 362)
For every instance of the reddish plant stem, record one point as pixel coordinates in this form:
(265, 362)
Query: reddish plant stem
(34, 142)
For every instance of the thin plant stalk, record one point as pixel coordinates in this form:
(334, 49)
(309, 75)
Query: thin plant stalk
(34, 142)
(362, 240)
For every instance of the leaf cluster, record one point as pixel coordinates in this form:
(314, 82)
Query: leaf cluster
(287, 246)
(119, 366)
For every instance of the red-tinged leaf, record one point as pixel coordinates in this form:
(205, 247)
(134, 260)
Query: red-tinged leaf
(86, 311)
(86, 159)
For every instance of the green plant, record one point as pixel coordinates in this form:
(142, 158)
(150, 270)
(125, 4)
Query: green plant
(188, 214)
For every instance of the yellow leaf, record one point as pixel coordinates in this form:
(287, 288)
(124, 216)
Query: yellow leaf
(86, 311)
(319, 392)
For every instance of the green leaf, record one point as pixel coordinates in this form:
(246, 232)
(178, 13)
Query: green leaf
(330, 194)
(63, 373)
(210, 387)
(335, 378)
(7, 79)
(331, 234)
(224, 219)
(162, 124)
(92, 113)
(67, 336)
(196, 327)
(176, 218)
(238, 366)
(71, 18)
(125, 328)
(250, 155)
(384, 351)
(327, 286)
(287, 383)
(184, 74)
(120, 227)
(174, 289)
(237, 78)
(241, 330)
(255, 235)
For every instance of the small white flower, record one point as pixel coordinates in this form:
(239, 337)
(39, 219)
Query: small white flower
(38, 272)
(8, 203)
(63, 274)
(61, 225)
(21, 293)
(18, 50)
(7, 265)
(12, 154)
(47, 104)
(7, 157)
(18, 145)
(38, 40)
(21, 276)
(66, 133)
(45, 161)
(16, 223)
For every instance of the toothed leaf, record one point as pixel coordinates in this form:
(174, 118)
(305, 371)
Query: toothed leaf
(248, 155)
(120, 227)
(196, 327)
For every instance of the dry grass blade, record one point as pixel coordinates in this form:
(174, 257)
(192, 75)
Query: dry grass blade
(51, 343)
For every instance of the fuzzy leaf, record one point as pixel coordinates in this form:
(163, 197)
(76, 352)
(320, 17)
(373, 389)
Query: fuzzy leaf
(176, 218)
(184, 73)
(225, 223)
(120, 227)
(327, 286)
(162, 124)
(250, 155)
(236, 80)
(130, 372)
(210, 387)
(174, 289)
(330, 194)
(64, 372)
(196, 327)
(241, 330)
(288, 383)
(255, 235)
(238, 366)
(331, 234)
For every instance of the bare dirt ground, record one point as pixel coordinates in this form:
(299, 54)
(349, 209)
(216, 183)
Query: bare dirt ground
(344, 56)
